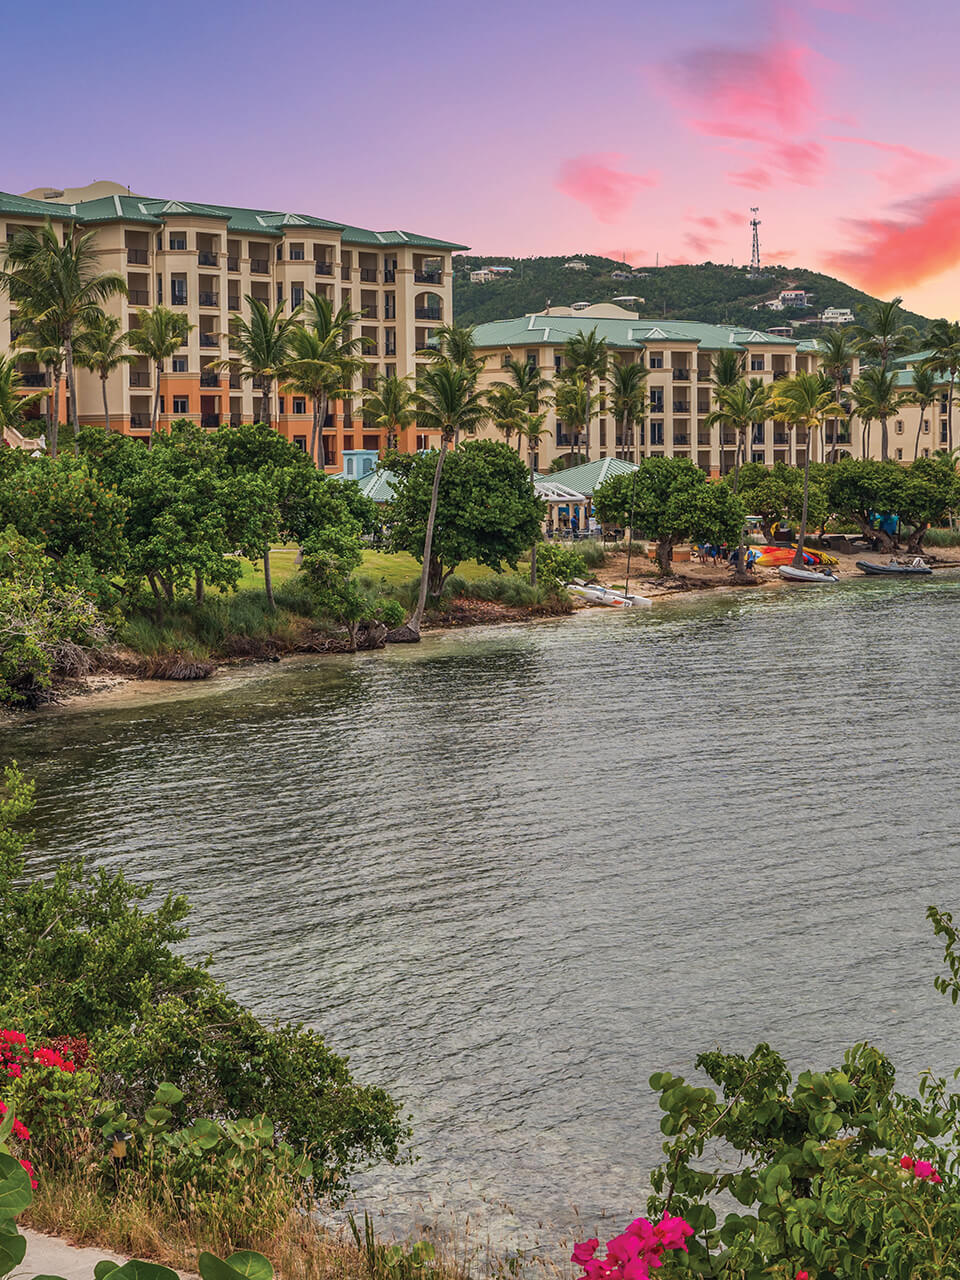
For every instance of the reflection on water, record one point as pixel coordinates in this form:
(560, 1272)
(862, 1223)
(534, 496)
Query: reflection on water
(513, 872)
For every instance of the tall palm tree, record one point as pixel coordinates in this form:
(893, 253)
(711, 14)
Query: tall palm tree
(528, 379)
(877, 396)
(628, 397)
(924, 392)
(340, 350)
(456, 345)
(801, 401)
(884, 334)
(944, 340)
(101, 347)
(311, 366)
(391, 407)
(40, 341)
(13, 400)
(260, 347)
(739, 406)
(59, 282)
(509, 411)
(158, 334)
(575, 407)
(726, 370)
(448, 402)
(585, 359)
(837, 351)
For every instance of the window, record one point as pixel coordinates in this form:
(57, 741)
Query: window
(390, 348)
(299, 404)
(656, 399)
(178, 293)
(296, 295)
(943, 431)
(279, 294)
(159, 290)
(899, 455)
(391, 369)
(163, 407)
(181, 404)
(179, 364)
(296, 253)
(656, 359)
(371, 442)
(899, 427)
(603, 432)
(532, 359)
(330, 450)
(279, 252)
(423, 444)
(656, 433)
(505, 360)
(926, 453)
(159, 239)
(300, 442)
(178, 239)
(757, 457)
(758, 433)
(282, 404)
(348, 442)
(557, 363)
(756, 364)
(926, 426)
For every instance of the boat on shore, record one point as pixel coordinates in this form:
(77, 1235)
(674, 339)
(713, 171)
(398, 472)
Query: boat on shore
(792, 574)
(915, 568)
(596, 593)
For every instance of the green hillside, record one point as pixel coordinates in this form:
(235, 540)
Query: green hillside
(708, 292)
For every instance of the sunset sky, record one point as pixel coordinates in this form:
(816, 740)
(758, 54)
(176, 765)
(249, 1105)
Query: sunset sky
(545, 126)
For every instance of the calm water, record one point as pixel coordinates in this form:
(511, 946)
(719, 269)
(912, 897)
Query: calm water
(513, 872)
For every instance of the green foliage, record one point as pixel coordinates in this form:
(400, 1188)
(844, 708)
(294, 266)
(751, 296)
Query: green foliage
(394, 1261)
(922, 494)
(778, 493)
(487, 509)
(557, 564)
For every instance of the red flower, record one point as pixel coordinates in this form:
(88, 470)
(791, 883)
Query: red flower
(906, 1162)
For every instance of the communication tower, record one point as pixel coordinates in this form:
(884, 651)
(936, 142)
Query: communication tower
(755, 248)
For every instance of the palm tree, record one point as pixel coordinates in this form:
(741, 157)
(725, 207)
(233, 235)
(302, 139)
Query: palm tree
(726, 370)
(877, 397)
(391, 407)
(528, 379)
(838, 350)
(340, 351)
(739, 406)
(628, 388)
(884, 335)
(159, 333)
(40, 341)
(101, 347)
(62, 283)
(448, 402)
(509, 411)
(260, 347)
(801, 401)
(575, 407)
(924, 392)
(455, 344)
(307, 370)
(585, 358)
(13, 401)
(944, 340)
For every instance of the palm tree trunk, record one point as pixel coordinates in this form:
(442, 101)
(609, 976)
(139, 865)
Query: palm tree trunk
(741, 449)
(54, 414)
(916, 446)
(798, 554)
(533, 552)
(315, 433)
(586, 425)
(106, 407)
(953, 374)
(155, 416)
(72, 392)
(884, 451)
(867, 431)
(417, 617)
(267, 578)
(265, 403)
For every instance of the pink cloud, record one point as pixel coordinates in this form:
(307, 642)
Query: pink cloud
(770, 85)
(894, 254)
(907, 164)
(702, 245)
(802, 162)
(756, 178)
(777, 256)
(605, 189)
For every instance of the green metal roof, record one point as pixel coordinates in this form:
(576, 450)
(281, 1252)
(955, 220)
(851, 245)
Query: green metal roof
(915, 358)
(590, 475)
(540, 330)
(378, 486)
(33, 208)
(267, 222)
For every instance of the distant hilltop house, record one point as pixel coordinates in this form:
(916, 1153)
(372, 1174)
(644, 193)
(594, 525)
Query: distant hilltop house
(620, 275)
(781, 330)
(483, 275)
(575, 265)
(789, 298)
(837, 315)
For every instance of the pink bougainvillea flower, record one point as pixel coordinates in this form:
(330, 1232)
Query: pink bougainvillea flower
(935, 1177)
(29, 1168)
(672, 1232)
(906, 1162)
(923, 1169)
(594, 1269)
(584, 1251)
(638, 1268)
(622, 1248)
(803, 1275)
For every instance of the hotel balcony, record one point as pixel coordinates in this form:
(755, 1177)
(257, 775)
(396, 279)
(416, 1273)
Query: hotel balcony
(233, 264)
(681, 406)
(139, 378)
(233, 303)
(139, 422)
(34, 379)
(209, 420)
(138, 257)
(260, 266)
(209, 340)
(209, 378)
(138, 297)
(681, 375)
(428, 277)
(206, 258)
(369, 274)
(207, 298)
(323, 268)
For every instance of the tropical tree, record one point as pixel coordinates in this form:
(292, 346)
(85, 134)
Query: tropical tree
(159, 333)
(260, 348)
(801, 401)
(585, 358)
(740, 406)
(456, 345)
(448, 402)
(528, 379)
(877, 398)
(944, 341)
(340, 351)
(101, 347)
(837, 351)
(575, 408)
(391, 407)
(509, 411)
(726, 370)
(40, 340)
(924, 392)
(13, 399)
(628, 401)
(884, 334)
(62, 283)
(314, 366)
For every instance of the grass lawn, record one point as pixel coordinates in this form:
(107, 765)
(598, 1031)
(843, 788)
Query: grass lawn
(396, 567)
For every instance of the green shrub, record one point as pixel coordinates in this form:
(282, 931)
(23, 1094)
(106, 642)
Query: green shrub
(942, 538)
(558, 563)
(592, 553)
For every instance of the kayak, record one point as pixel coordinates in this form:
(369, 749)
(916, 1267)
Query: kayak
(594, 593)
(896, 568)
(807, 575)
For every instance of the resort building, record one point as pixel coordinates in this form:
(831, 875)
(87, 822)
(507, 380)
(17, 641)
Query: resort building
(204, 260)
(678, 356)
(836, 315)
